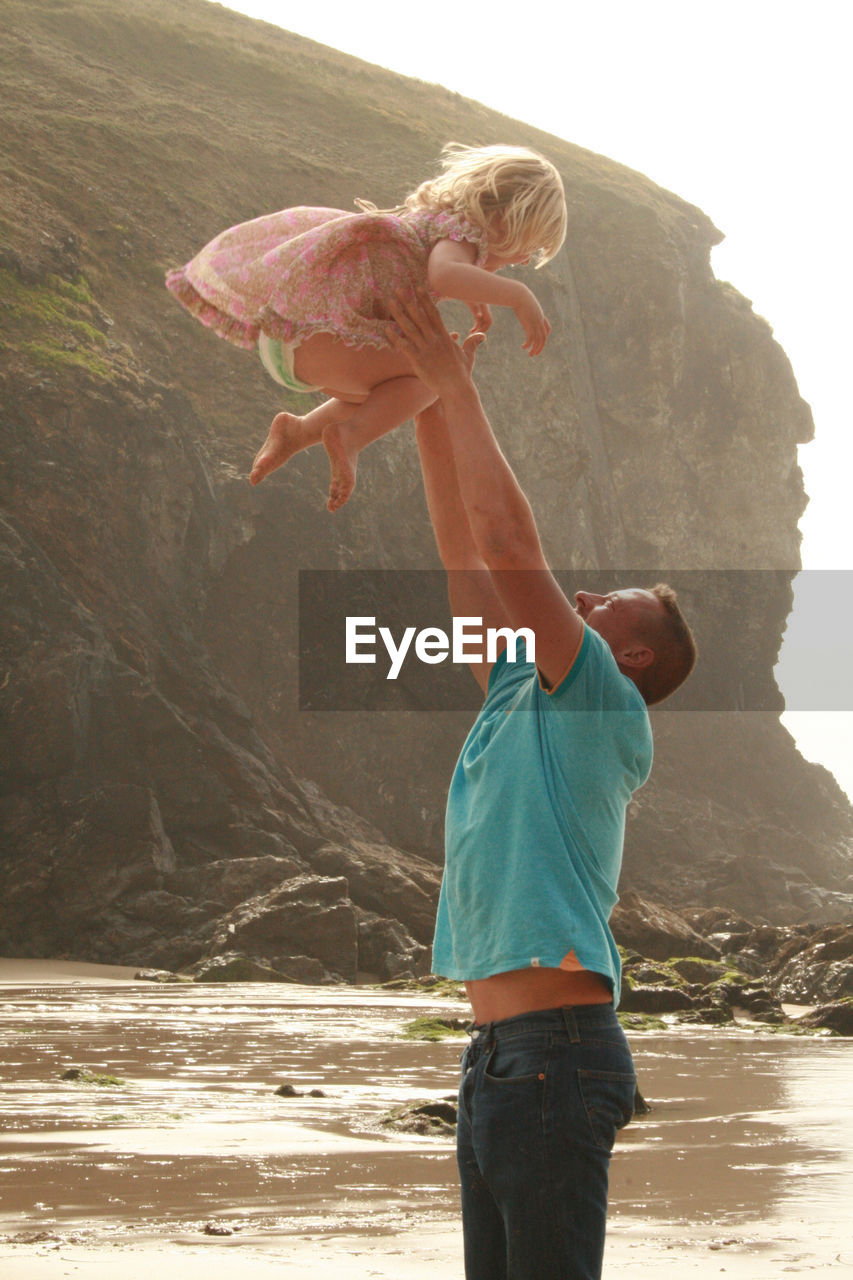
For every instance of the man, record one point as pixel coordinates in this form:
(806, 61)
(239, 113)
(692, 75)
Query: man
(534, 832)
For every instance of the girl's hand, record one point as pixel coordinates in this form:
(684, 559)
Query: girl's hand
(482, 317)
(532, 319)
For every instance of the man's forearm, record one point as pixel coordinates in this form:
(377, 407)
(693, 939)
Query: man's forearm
(499, 515)
(453, 536)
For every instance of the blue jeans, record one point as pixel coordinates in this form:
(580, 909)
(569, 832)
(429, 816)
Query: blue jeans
(541, 1098)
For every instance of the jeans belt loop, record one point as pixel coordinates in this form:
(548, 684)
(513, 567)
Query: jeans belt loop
(571, 1024)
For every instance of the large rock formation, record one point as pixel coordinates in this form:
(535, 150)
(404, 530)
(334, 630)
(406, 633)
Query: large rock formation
(162, 791)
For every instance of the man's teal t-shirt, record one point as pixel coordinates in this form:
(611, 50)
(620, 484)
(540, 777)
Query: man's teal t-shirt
(536, 820)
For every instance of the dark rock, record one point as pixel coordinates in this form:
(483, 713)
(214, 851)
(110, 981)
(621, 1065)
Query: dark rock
(837, 1017)
(656, 931)
(433, 1119)
(167, 910)
(792, 941)
(641, 1107)
(830, 982)
(728, 990)
(308, 915)
(642, 971)
(642, 1021)
(834, 943)
(708, 1014)
(715, 920)
(815, 969)
(160, 975)
(654, 999)
(305, 969)
(82, 1075)
(759, 1002)
(386, 949)
(729, 944)
(233, 967)
(746, 962)
(289, 1091)
(766, 941)
(233, 880)
(757, 999)
(738, 993)
(379, 882)
(83, 868)
(702, 971)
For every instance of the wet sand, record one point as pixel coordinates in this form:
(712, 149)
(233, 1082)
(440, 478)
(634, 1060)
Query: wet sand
(742, 1168)
(29, 973)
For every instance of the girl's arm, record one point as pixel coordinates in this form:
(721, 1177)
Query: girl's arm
(451, 274)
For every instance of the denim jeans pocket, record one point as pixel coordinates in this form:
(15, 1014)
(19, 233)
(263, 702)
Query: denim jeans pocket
(518, 1060)
(608, 1098)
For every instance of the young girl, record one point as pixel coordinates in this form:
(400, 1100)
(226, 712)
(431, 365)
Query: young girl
(310, 289)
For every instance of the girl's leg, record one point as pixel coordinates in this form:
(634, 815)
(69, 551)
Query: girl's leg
(289, 433)
(324, 361)
(348, 375)
(386, 407)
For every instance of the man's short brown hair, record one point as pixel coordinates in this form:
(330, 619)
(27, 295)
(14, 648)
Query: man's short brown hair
(667, 633)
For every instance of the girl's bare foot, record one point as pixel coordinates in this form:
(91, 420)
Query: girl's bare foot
(343, 459)
(286, 437)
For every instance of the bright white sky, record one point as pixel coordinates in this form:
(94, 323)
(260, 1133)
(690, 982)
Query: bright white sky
(743, 108)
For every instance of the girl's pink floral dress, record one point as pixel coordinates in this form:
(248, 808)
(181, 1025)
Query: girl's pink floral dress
(304, 271)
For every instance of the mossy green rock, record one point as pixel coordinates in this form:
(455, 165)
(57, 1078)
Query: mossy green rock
(434, 1028)
(694, 969)
(81, 1075)
(435, 1118)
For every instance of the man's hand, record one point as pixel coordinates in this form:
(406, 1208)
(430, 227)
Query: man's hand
(434, 354)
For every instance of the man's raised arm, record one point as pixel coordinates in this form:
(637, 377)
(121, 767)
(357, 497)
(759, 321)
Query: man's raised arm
(469, 583)
(499, 518)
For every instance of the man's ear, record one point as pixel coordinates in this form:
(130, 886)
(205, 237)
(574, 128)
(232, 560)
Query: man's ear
(634, 657)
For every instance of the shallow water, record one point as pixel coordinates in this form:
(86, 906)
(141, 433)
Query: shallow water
(748, 1148)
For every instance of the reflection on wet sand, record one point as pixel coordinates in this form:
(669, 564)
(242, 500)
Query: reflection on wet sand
(742, 1162)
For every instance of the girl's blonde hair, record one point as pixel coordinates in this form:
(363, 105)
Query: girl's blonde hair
(513, 194)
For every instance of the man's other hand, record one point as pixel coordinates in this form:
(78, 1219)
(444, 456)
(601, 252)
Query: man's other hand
(435, 355)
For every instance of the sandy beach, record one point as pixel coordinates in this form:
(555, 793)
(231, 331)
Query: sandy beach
(30, 973)
(742, 1168)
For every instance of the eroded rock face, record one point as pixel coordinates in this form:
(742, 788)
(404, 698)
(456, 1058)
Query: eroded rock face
(655, 931)
(760, 969)
(836, 1017)
(817, 969)
(159, 780)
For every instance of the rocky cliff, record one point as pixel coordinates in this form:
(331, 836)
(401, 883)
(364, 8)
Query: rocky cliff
(163, 794)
